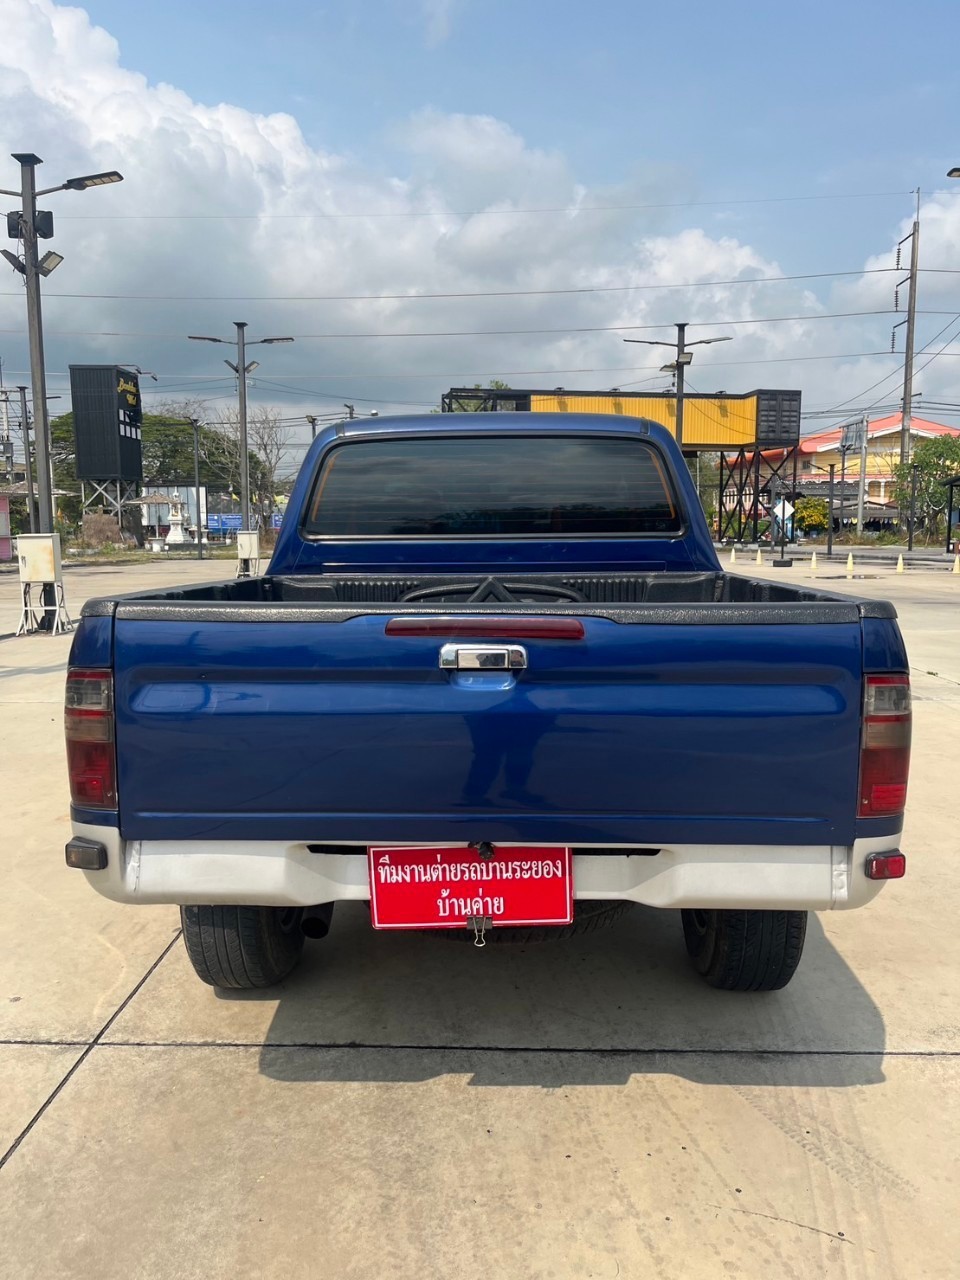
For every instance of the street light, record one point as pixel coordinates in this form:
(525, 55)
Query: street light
(88, 181)
(678, 366)
(49, 262)
(953, 173)
(29, 223)
(241, 369)
(33, 269)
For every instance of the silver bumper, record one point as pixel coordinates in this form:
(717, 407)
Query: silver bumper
(279, 873)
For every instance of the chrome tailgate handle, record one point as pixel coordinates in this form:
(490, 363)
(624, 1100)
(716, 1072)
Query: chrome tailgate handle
(482, 657)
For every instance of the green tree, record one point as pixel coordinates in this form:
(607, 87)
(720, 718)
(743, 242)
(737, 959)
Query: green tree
(812, 515)
(167, 452)
(936, 461)
(167, 440)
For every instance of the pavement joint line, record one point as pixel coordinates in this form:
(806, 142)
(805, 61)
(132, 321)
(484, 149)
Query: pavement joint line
(41, 1110)
(936, 675)
(356, 1046)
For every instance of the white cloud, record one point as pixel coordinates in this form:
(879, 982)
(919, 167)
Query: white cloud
(438, 19)
(65, 94)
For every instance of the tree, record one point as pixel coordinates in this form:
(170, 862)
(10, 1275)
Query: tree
(936, 461)
(167, 451)
(268, 439)
(812, 515)
(167, 442)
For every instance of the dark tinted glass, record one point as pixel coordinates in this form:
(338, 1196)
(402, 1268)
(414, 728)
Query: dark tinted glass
(546, 486)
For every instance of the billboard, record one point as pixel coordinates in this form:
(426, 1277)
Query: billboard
(770, 419)
(107, 422)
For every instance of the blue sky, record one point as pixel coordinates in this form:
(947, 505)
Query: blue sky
(231, 123)
(699, 100)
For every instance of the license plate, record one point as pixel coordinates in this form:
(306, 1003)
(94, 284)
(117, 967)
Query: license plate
(442, 887)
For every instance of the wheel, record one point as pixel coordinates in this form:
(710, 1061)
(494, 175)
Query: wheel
(242, 947)
(745, 950)
(589, 915)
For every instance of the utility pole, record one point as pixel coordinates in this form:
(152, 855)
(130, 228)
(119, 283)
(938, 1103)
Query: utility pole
(833, 468)
(906, 416)
(7, 444)
(683, 359)
(313, 425)
(27, 465)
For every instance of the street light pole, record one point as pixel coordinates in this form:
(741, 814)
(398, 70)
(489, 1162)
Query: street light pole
(38, 378)
(241, 369)
(195, 423)
(32, 269)
(683, 357)
(244, 451)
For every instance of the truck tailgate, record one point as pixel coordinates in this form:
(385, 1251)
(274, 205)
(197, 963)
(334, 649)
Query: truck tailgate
(641, 734)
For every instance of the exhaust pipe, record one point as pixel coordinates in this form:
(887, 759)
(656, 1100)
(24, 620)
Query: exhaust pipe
(315, 921)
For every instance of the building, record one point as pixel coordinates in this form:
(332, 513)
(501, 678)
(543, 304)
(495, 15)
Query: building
(804, 470)
(817, 452)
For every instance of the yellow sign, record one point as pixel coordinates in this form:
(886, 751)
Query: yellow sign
(709, 422)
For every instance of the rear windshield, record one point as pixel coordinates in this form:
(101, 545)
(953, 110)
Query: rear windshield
(517, 486)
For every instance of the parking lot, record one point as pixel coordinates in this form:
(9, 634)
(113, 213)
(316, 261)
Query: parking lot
(406, 1106)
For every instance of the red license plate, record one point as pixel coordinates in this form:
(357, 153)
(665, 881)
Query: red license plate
(441, 887)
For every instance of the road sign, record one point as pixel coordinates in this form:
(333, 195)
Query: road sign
(783, 509)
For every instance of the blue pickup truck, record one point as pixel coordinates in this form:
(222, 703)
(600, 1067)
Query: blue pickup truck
(494, 682)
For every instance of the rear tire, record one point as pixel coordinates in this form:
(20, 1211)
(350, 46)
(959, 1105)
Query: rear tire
(745, 950)
(241, 948)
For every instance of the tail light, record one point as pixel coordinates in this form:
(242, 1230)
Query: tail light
(91, 752)
(885, 749)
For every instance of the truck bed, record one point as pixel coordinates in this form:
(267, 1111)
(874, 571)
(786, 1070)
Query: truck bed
(655, 596)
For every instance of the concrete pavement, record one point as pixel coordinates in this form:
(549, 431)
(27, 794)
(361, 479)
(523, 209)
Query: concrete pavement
(410, 1106)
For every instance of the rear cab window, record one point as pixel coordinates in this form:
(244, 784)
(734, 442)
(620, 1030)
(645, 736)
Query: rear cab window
(493, 486)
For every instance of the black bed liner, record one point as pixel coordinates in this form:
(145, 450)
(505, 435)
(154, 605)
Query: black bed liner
(657, 597)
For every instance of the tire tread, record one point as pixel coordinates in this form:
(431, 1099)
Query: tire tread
(747, 950)
(239, 948)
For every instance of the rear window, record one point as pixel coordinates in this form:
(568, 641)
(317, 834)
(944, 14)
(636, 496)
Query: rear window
(473, 486)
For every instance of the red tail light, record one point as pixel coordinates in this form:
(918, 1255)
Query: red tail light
(91, 753)
(885, 749)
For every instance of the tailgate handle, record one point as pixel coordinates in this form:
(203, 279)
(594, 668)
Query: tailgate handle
(482, 657)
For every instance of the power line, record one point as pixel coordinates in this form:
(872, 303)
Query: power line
(486, 293)
(477, 213)
(898, 370)
(501, 333)
(279, 386)
(499, 372)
